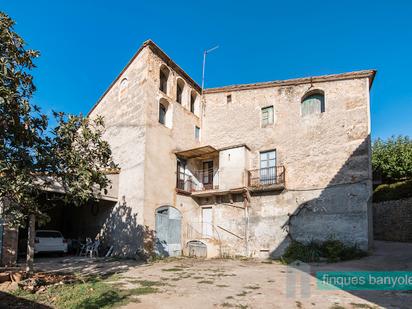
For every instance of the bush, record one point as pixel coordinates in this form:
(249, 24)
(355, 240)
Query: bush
(332, 250)
(393, 191)
(305, 253)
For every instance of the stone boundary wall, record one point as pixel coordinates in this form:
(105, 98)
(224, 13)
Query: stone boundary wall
(392, 220)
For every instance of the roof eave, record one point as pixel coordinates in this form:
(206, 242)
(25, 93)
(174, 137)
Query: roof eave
(297, 81)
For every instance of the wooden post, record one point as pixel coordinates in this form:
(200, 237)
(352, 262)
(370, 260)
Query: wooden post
(30, 243)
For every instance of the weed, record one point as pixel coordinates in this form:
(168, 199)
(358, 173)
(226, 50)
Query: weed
(173, 269)
(148, 283)
(143, 290)
(222, 285)
(242, 294)
(267, 262)
(227, 305)
(336, 306)
(252, 287)
(355, 305)
(206, 282)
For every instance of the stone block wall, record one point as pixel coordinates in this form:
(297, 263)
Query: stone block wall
(392, 220)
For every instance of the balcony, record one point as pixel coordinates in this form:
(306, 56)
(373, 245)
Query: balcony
(198, 180)
(265, 179)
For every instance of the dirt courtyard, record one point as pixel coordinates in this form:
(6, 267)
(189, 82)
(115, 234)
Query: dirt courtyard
(188, 283)
(236, 283)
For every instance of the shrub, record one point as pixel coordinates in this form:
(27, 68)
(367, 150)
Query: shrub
(305, 253)
(393, 191)
(332, 250)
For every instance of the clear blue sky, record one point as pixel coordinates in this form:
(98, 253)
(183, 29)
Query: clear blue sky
(85, 44)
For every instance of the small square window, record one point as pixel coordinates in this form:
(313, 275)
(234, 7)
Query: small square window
(229, 98)
(267, 116)
(197, 133)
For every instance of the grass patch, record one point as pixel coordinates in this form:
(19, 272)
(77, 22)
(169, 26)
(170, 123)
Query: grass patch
(142, 290)
(242, 294)
(229, 297)
(393, 191)
(222, 285)
(92, 294)
(227, 305)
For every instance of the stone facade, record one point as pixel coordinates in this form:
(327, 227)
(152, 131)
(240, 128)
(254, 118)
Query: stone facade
(324, 190)
(392, 220)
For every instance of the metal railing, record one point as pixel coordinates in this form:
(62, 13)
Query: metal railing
(199, 180)
(202, 230)
(267, 176)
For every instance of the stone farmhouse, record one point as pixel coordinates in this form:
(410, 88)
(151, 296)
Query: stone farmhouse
(234, 170)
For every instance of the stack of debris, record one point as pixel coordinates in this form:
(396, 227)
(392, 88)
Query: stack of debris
(36, 282)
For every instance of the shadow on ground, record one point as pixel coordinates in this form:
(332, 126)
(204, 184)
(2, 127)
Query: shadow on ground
(10, 301)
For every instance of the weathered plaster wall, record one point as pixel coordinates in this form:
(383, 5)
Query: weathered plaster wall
(324, 150)
(162, 142)
(233, 166)
(124, 111)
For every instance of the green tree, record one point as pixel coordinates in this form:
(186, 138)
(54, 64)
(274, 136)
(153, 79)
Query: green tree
(72, 156)
(392, 158)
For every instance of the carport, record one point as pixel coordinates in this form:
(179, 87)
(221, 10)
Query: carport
(76, 223)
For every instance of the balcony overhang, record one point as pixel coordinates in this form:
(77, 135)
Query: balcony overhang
(217, 192)
(203, 151)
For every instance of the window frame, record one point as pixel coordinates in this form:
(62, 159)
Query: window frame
(197, 133)
(164, 74)
(270, 120)
(268, 174)
(193, 98)
(313, 94)
(160, 118)
(180, 84)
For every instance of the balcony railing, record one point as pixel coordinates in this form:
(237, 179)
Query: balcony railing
(199, 180)
(267, 176)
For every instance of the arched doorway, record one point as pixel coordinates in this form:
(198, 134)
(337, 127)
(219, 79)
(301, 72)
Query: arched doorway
(168, 231)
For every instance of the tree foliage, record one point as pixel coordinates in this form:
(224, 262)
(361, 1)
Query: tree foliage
(392, 158)
(72, 156)
(23, 143)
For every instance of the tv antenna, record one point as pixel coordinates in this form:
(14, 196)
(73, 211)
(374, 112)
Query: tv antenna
(205, 52)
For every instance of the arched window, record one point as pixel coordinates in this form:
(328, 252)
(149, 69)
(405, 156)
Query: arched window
(179, 90)
(193, 101)
(165, 113)
(162, 113)
(163, 76)
(123, 88)
(313, 102)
